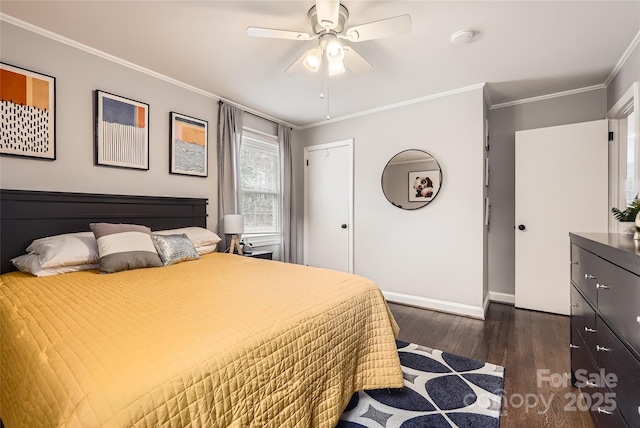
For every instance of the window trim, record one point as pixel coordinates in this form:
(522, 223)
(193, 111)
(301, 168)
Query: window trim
(628, 102)
(264, 239)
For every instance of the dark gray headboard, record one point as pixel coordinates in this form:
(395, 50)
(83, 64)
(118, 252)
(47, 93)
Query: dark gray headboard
(26, 215)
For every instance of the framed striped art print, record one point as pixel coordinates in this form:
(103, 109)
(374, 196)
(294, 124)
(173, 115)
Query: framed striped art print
(28, 112)
(122, 132)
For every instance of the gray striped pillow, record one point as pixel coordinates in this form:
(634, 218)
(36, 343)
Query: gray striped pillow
(124, 247)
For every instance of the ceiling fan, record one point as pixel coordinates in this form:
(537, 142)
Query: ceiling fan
(328, 19)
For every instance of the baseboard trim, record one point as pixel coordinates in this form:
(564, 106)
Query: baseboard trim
(486, 304)
(436, 305)
(495, 296)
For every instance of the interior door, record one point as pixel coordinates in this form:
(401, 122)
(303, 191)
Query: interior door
(561, 187)
(328, 212)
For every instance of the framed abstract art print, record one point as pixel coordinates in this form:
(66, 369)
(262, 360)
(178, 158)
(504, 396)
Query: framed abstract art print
(188, 145)
(28, 109)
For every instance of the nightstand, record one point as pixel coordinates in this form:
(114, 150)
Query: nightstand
(267, 255)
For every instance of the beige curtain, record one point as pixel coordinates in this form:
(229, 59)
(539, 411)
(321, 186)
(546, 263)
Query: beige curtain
(229, 137)
(289, 226)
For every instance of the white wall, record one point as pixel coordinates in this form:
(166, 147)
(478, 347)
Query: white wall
(433, 256)
(78, 74)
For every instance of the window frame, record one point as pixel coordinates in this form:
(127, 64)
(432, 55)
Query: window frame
(629, 102)
(273, 238)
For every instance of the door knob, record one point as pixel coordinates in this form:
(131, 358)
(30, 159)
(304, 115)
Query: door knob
(344, 226)
(522, 227)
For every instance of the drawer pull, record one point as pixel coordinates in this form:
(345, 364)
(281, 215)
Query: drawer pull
(573, 263)
(587, 276)
(572, 346)
(575, 305)
(591, 384)
(602, 287)
(589, 330)
(602, 348)
(604, 412)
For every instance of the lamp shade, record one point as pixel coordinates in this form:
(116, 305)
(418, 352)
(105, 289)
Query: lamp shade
(233, 224)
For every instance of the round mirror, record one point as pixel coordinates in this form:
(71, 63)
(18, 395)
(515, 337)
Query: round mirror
(411, 179)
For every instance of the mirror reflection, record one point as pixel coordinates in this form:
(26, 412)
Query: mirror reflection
(411, 179)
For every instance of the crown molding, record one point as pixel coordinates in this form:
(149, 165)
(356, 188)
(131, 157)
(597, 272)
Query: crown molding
(623, 59)
(549, 96)
(395, 106)
(58, 38)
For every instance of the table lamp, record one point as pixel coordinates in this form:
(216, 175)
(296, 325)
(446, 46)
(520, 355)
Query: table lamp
(234, 225)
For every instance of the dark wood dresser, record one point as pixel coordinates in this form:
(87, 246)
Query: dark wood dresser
(605, 326)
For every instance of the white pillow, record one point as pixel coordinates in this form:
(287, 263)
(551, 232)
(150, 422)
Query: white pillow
(198, 235)
(69, 249)
(30, 263)
(206, 249)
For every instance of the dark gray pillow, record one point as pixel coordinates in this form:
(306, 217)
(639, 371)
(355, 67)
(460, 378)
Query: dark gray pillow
(124, 247)
(174, 249)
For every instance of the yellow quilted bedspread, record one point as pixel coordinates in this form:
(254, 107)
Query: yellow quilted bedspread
(221, 341)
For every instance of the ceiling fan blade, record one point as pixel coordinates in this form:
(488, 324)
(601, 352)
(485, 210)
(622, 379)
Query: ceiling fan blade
(379, 29)
(354, 62)
(327, 13)
(278, 34)
(298, 65)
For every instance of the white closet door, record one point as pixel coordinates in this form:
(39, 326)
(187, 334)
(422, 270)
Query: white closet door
(561, 187)
(328, 213)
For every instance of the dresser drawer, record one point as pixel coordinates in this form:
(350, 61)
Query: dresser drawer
(581, 364)
(615, 359)
(584, 266)
(619, 301)
(583, 321)
(609, 419)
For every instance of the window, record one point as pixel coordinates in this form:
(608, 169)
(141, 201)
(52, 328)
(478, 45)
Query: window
(260, 188)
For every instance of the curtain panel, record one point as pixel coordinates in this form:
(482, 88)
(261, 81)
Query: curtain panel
(289, 227)
(230, 120)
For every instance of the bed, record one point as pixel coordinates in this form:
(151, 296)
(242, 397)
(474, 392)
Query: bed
(224, 340)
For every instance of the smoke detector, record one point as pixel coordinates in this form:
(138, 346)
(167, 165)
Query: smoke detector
(462, 37)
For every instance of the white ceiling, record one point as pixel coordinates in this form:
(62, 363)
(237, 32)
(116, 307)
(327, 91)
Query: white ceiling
(522, 49)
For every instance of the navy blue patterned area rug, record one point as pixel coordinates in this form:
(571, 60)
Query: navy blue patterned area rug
(440, 390)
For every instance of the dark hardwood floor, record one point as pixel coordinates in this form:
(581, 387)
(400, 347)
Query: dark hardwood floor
(524, 342)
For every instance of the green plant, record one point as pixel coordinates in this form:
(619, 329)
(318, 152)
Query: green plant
(630, 213)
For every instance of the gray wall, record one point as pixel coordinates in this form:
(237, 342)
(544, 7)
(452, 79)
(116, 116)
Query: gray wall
(78, 74)
(629, 73)
(503, 123)
(434, 254)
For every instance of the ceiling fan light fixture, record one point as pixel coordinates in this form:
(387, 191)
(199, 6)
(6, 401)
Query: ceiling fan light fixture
(334, 50)
(313, 60)
(336, 68)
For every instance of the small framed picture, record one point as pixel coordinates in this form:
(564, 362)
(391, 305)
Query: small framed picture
(188, 145)
(122, 132)
(28, 109)
(487, 211)
(486, 172)
(486, 134)
(423, 185)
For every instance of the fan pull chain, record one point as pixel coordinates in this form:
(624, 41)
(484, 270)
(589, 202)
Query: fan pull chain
(328, 95)
(322, 67)
(324, 82)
